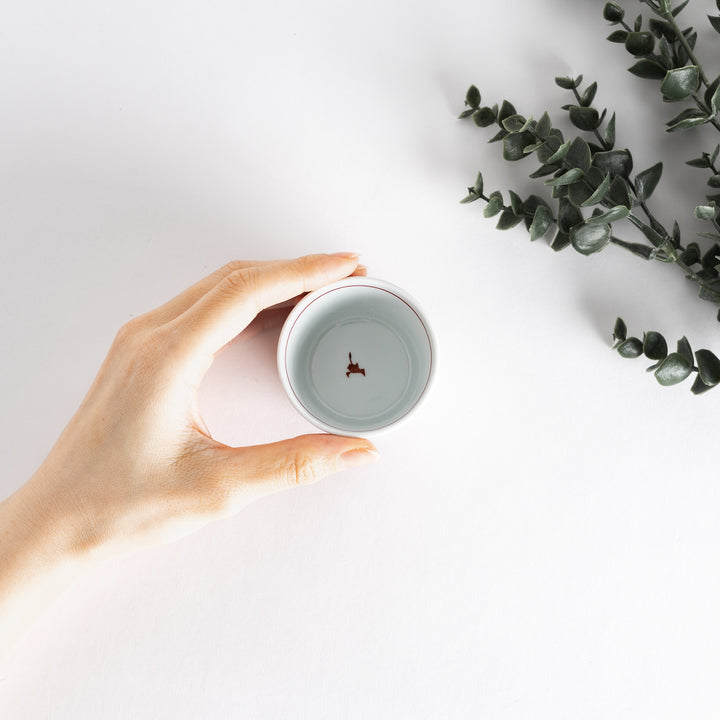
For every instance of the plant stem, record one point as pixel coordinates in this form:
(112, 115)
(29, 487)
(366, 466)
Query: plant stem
(670, 19)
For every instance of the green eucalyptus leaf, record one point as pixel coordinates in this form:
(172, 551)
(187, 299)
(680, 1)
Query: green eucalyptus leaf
(708, 367)
(710, 258)
(506, 110)
(589, 239)
(630, 348)
(684, 349)
(619, 193)
(514, 145)
(613, 13)
(507, 220)
(675, 234)
(691, 255)
(680, 83)
(579, 155)
(673, 369)
(640, 43)
(715, 22)
(609, 136)
(568, 216)
(544, 170)
(599, 194)
(472, 97)
(613, 215)
(465, 114)
(532, 148)
(617, 36)
(478, 187)
(472, 196)
(584, 118)
(666, 56)
(679, 8)
(705, 212)
(620, 330)
(712, 96)
(550, 147)
(589, 95)
(494, 206)
(560, 191)
(531, 203)
(541, 222)
(701, 162)
(560, 241)
(654, 345)
(484, 117)
(647, 180)
(544, 126)
(516, 203)
(579, 192)
(648, 69)
(566, 178)
(661, 28)
(568, 83)
(560, 153)
(615, 162)
(714, 181)
(699, 387)
(516, 123)
(687, 119)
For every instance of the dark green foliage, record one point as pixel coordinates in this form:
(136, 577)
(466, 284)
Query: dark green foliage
(640, 43)
(589, 239)
(680, 83)
(647, 180)
(670, 368)
(613, 13)
(586, 170)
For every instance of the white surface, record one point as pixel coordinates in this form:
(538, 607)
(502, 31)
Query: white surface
(542, 541)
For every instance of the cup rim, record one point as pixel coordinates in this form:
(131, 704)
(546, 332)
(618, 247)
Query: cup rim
(304, 303)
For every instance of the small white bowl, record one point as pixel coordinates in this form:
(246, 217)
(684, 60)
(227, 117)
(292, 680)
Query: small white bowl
(356, 357)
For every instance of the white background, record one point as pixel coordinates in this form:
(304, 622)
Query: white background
(541, 541)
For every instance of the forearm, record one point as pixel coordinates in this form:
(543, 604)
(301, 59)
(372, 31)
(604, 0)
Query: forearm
(39, 557)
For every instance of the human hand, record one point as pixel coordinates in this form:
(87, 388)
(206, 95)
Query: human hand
(136, 464)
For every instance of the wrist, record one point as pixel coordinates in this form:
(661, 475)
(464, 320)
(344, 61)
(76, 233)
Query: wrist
(39, 557)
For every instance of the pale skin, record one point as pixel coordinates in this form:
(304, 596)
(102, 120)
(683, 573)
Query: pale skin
(136, 465)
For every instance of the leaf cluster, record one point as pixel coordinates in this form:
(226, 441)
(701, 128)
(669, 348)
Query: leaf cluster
(665, 52)
(590, 180)
(670, 368)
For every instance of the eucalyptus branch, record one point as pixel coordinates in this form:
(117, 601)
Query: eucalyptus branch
(592, 184)
(665, 52)
(666, 12)
(670, 368)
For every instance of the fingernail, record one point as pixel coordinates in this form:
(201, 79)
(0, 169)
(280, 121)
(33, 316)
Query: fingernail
(356, 458)
(347, 255)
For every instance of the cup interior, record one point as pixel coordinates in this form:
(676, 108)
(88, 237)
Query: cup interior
(356, 356)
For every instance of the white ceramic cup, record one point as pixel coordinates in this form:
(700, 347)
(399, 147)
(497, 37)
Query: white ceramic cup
(356, 357)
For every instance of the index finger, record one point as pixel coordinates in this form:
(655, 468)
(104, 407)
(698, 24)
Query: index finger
(217, 317)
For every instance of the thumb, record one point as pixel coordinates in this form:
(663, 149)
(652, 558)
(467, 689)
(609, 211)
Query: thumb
(265, 469)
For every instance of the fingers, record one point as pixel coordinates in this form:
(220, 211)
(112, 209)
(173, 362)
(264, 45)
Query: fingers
(273, 317)
(229, 307)
(188, 297)
(244, 474)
